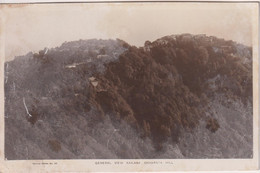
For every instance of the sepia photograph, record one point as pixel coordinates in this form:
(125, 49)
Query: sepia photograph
(148, 82)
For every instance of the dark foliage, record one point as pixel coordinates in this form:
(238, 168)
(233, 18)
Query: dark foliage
(164, 87)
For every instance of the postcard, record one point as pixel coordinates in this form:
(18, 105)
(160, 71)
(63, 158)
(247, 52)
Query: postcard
(129, 86)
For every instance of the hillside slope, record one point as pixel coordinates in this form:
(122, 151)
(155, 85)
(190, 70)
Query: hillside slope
(181, 96)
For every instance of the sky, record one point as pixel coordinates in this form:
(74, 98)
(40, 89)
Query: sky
(33, 27)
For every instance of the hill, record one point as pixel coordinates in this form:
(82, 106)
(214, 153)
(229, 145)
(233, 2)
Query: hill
(177, 97)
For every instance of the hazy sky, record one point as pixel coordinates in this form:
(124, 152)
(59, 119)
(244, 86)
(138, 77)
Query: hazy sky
(33, 27)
